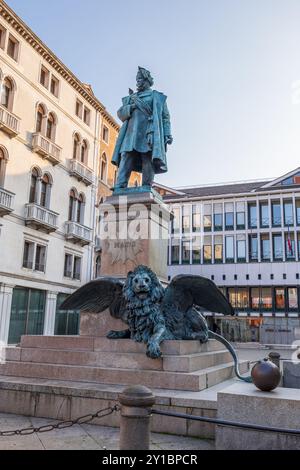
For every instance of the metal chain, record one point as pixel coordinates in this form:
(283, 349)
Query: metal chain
(62, 424)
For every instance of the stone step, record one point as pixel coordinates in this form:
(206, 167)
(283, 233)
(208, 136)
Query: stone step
(183, 363)
(192, 381)
(89, 343)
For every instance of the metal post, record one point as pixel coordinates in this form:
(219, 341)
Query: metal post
(275, 358)
(136, 404)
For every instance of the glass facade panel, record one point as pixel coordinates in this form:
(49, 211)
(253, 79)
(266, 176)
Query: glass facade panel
(241, 247)
(288, 213)
(229, 248)
(185, 251)
(292, 298)
(218, 217)
(276, 214)
(279, 298)
(252, 215)
(277, 247)
(266, 298)
(253, 248)
(239, 297)
(218, 249)
(264, 214)
(265, 247)
(66, 321)
(27, 314)
(196, 255)
(186, 219)
(290, 252)
(207, 250)
(175, 251)
(207, 221)
(196, 218)
(229, 216)
(298, 211)
(255, 297)
(176, 220)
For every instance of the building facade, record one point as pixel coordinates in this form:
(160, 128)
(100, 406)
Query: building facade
(50, 152)
(246, 238)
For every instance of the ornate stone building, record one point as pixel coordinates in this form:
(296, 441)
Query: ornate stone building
(54, 134)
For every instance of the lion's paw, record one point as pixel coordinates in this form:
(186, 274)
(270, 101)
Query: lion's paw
(153, 350)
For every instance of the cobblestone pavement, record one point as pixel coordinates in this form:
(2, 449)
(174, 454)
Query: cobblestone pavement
(84, 437)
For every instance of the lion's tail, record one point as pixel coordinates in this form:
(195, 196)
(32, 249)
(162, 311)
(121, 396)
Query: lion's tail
(226, 343)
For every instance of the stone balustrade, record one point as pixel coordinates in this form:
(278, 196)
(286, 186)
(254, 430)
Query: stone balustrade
(6, 201)
(9, 122)
(81, 172)
(40, 217)
(78, 233)
(46, 148)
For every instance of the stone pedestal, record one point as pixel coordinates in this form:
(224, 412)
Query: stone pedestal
(245, 404)
(134, 231)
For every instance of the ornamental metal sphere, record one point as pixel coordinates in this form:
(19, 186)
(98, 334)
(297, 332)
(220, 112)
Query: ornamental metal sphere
(266, 375)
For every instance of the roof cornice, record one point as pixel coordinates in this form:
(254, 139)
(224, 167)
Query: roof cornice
(18, 24)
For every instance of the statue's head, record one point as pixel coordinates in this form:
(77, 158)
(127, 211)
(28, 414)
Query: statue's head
(144, 79)
(143, 285)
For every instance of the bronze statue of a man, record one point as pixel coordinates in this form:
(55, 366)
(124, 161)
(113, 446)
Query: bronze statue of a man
(146, 131)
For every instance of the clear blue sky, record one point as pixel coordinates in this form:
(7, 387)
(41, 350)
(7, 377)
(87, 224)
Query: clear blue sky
(227, 66)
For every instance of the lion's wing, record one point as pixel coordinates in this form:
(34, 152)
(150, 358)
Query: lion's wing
(98, 295)
(184, 291)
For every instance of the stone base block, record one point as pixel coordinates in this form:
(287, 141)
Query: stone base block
(291, 374)
(244, 403)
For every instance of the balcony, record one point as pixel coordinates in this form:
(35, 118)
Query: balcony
(9, 122)
(78, 233)
(6, 202)
(46, 148)
(40, 218)
(81, 172)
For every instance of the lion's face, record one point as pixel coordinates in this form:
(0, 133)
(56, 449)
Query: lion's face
(141, 285)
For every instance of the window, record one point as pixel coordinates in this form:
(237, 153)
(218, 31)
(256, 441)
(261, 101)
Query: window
(12, 47)
(39, 118)
(218, 248)
(80, 206)
(185, 251)
(290, 251)
(252, 215)
(229, 249)
(175, 251)
(7, 94)
(186, 219)
(105, 134)
(207, 250)
(66, 321)
(292, 298)
(76, 144)
(68, 265)
(240, 216)
(98, 266)
(2, 36)
(265, 247)
(229, 216)
(72, 266)
(3, 162)
(27, 313)
(196, 253)
(50, 127)
(34, 256)
(86, 115)
(253, 248)
(45, 191)
(276, 213)
(218, 217)
(77, 268)
(261, 298)
(207, 218)
(241, 248)
(277, 247)
(83, 152)
(72, 205)
(79, 109)
(298, 211)
(33, 185)
(54, 86)
(176, 220)
(279, 298)
(239, 297)
(288, 213)
(44, 77)
(40, 258)
(264, 214)
(103, 168)
(196, 218)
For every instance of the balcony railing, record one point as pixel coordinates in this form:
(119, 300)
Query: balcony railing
(78, 233)
(46, 148)
(81, 172)
(40, 217)
(9, 122)
(6, 201)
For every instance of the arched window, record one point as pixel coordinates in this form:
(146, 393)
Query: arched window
(39, 118)
(80, 209)
(83, 153)
(3, 161)
(103, 168)
(33, 185)
(72, 202)
(7, 94)
(50, 130)
(45, 191)
(76, 142)
(98, 266)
